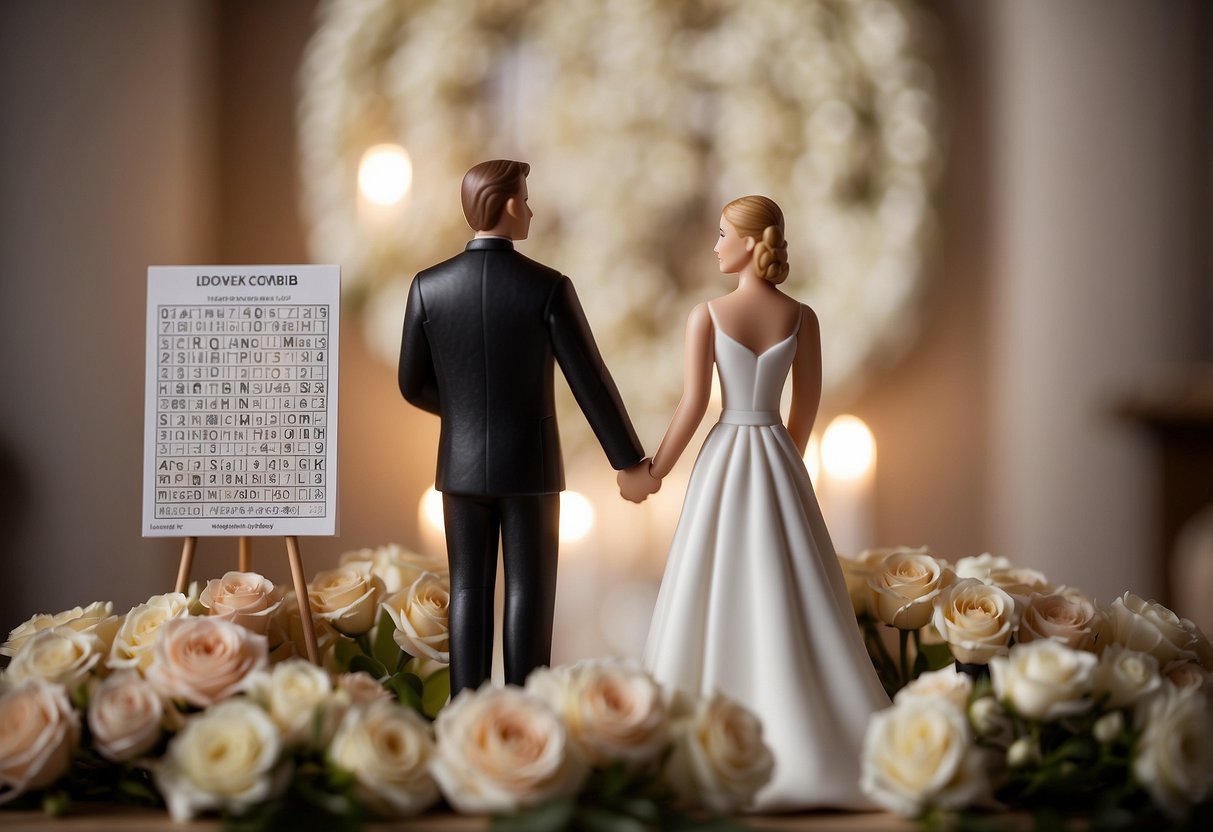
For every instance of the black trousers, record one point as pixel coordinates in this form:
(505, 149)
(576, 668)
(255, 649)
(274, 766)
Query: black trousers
(529, 529)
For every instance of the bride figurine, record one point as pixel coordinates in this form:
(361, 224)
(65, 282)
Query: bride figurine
(753, 602)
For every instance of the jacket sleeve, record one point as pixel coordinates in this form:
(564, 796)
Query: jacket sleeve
(591, 382)
(416, 376)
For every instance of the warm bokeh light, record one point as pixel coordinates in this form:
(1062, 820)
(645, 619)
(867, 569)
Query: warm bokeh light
(848, 449)
(812, 458)
(576, 514)
(385, 174)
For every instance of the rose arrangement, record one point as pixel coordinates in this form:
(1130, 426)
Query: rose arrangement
(203, 702)
(1010, 692)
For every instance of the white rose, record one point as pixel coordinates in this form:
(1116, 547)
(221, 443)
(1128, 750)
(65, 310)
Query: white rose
(614, 710)
(396, 566)
(975, 619)
(361, 688)
(298, 696)
(95, 616)
(419, 614)
(1025, 751)
(980, 566)
(347, 597)
(225, 758)
(903, 588)
(136, 637)
(1125, 677)
(1188, 676)
(990, 720)
(388, 749)
(286, 633)
(1109, 727)
(503, 749)
(39, 730)
(60, 655)
(1044, 680)
(919, 754)
(204, 660)
(856, 572)
(1020, 583)
(1174, 757)
(1152, 628)
(1068, 618)
(946, 684)
(124, 715)
(243, 598)
(719, 759)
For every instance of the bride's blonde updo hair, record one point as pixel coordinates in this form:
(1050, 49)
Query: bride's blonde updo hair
(760, 218)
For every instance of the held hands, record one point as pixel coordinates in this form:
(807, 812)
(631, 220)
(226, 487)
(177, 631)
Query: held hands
(636, 483)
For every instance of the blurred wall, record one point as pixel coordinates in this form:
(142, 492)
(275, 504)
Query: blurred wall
(164, 133)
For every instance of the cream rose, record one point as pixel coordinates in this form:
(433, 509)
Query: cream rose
(204, 660)
(388, 749)
(136, 637)
(980, 566)
(919, 754)
(975, 619)
(225, 758)
(945, 684)
(503, 749)
(1188, 676)
(1125, 677)
(96, 617)
(286, 634)
(991, 721)
(719, 759)
(1174, 757)
(1044, 680)
(1020, 583)
(396, 566)
(39, 730)
(61, 655)
(614, 710)
(124, 715)
(244, 598)
(1151, 628)
(347, 597)
(360, 688)
(1068, 618)
(299, 698)
(857, 571)
(419, 614)
(902, 591)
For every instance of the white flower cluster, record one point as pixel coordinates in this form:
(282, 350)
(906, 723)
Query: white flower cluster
(641, 120)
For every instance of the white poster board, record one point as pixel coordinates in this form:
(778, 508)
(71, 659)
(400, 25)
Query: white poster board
(240, 409)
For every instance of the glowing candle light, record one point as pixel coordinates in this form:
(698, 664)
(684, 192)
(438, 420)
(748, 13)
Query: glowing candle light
(385, 174)
(848, 467)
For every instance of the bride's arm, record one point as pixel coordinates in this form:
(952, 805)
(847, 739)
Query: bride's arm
(806, 379)
(696, 390)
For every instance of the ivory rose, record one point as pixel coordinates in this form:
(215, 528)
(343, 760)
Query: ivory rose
(96, 616)
(298, 697)
(225, 758)
(388, 749)
(1020, 582)
(1152, 628)
(286, 633)
(856, 572)
(975, 619)
(396, 566)
(419, 614)
(945, 684)
(614, 710)
(360, 688)
(204, 660)
(1044, 680)
(719, 759)
(1125, 677)
(503, 749)
(347, 597)
(244, 598)
(1174, 757)
(60, 654)
(919, 754)
(902, 591)
(980, 566)
(39, 731)
(136, 637)
(1188, 675)
(1068, 618)
(124, 716)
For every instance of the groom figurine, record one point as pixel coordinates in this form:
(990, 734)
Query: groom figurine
(481, 331)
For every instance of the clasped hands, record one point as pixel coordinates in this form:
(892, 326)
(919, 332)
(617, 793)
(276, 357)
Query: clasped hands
(637, 483)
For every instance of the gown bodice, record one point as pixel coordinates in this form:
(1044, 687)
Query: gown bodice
(751, 383)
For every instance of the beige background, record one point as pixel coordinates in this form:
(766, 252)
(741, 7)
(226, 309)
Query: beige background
(1074, 265)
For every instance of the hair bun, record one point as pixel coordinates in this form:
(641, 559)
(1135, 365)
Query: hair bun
(771, 255)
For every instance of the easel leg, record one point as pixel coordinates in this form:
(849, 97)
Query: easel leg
(246, 554)
(187, 564)
(305, 606)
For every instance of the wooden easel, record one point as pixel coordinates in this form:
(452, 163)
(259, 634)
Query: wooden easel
(246, 565)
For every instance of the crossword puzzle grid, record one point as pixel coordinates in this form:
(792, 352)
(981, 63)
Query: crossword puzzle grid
(241, 411)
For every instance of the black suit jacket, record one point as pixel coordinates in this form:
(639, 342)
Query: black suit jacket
(481, 331)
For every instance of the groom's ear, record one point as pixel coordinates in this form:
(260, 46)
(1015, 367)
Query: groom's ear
(512, 207)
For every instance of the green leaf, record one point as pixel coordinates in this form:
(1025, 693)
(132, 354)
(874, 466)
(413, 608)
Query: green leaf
(366, 664)
(937, 656)
(344, 651)
(597, 819)
(550, 817)
(436, 693)
(406, 694)
(386, 650)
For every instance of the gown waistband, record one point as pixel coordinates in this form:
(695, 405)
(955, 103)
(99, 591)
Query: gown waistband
(750, 417)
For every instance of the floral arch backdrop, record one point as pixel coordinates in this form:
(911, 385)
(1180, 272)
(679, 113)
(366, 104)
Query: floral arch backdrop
(641, 118)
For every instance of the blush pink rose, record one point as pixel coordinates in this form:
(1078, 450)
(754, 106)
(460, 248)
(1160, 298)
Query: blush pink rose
(204, 660)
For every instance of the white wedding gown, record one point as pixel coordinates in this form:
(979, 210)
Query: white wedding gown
(753, 602)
